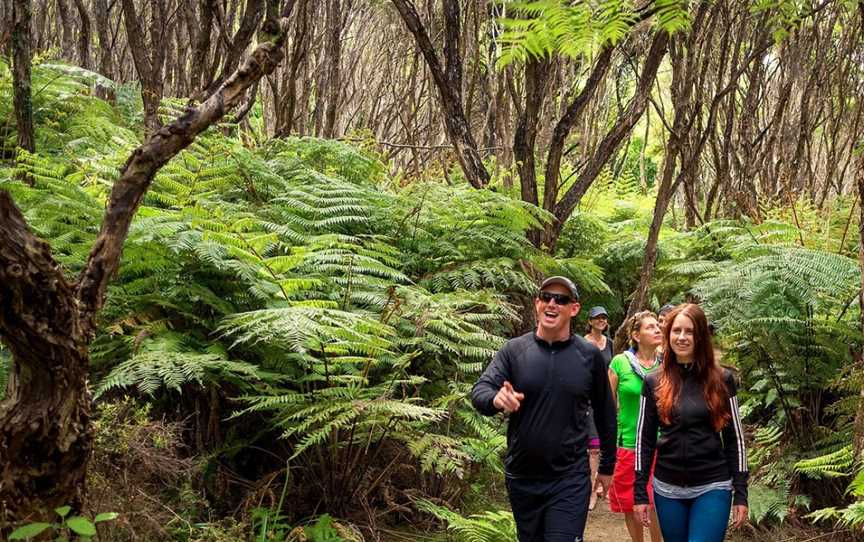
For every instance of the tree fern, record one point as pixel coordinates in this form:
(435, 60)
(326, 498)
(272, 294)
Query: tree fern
(154, 371)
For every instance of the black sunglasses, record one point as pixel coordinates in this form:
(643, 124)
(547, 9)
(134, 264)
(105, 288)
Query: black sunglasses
(560, 299)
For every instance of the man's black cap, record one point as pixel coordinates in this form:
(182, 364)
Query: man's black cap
(563, 281)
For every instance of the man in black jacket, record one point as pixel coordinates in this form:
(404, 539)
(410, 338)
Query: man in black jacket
(546, 380)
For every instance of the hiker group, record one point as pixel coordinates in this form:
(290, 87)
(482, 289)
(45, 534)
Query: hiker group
(655, 429)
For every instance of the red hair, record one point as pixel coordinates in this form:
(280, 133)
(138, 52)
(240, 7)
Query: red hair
(707, 372)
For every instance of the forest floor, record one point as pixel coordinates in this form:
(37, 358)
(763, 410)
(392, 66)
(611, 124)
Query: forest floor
(605, 526)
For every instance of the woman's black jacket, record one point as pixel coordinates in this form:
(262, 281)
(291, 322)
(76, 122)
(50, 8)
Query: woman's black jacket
(689, 451)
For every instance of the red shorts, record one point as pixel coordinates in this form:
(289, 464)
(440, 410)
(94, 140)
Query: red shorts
(621, 493)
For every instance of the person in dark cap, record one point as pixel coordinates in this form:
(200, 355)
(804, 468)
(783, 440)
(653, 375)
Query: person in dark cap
(545, 380)
(598, 323)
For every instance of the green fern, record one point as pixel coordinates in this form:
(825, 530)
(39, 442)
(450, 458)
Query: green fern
(767, 503)
(490, 526)
(160, 368)
(832, 465)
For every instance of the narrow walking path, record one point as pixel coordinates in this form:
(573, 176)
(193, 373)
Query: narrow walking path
(605, 526)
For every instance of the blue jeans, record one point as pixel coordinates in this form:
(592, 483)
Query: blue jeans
(703, 519)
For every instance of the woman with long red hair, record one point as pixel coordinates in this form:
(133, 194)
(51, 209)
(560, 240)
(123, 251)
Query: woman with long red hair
(701, 465)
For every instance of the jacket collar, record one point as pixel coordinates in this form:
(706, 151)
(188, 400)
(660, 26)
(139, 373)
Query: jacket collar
(554, 344)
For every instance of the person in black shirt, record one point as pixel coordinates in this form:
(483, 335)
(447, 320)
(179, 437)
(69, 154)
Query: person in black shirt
(546, 380)
(598, 323)
(701, 462)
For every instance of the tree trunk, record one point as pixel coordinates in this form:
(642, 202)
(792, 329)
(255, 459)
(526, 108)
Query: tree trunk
(565, 124)
(83, 35)
(200, 72)
(100, 8)
(241, 40)
(664, 196)
(21, 54)
(525, 138)
(149, 67)
(45, 416)
(613, 138)
(66, 22)
(688, 134)
(333, 50)
(47, 323)
(858, 427)
(299, 52)
(455, 123)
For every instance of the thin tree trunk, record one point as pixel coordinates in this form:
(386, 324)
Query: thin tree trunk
(241, 40)
(299, 52)
(572, 115)
(858, 427)
(149, 67)
(21, 55)
(201, 74)
(455, 122)
(83, 35)
(613, 138)
(100, 7)
(525, 138)
(66, 22)
(333, 52)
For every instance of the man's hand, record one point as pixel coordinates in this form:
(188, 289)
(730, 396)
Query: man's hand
(602, 484)
(641, 513)
(739, 515)
(508, 399)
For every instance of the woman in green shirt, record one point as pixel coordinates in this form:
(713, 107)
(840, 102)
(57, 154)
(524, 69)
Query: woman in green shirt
(626, 373)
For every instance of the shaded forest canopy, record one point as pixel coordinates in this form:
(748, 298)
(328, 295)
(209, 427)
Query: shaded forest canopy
(311, 284)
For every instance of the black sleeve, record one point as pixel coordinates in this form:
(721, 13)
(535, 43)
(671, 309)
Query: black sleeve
(733, 444)
(490, 382)
(605, 419)
(646, 441)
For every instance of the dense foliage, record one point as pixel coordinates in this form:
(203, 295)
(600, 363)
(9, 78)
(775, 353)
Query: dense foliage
(299, 328)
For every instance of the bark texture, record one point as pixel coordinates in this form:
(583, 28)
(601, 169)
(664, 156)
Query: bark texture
(21, 55)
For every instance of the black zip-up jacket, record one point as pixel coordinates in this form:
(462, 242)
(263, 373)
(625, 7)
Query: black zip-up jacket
(547, 437)
(689, 451)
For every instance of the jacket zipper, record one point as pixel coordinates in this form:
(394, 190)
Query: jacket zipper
(684, 440)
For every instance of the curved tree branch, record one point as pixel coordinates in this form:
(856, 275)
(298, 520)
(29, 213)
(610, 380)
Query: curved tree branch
(146, 160)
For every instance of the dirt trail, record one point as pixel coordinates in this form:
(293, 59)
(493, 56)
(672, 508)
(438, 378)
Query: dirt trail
(605, 526)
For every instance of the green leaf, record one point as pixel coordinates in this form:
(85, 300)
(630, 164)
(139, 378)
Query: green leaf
(81, 526)
(63, 511)
(28, 531)
(105, 516)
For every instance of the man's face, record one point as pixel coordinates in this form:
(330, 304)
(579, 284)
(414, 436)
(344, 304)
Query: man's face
(554, 317)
